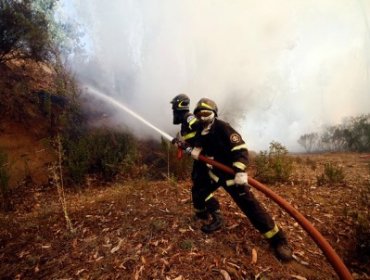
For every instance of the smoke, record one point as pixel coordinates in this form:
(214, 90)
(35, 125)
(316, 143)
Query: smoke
(276, 69)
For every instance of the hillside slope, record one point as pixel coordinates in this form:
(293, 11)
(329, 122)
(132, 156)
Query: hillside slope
(25, 128)
(144, 230)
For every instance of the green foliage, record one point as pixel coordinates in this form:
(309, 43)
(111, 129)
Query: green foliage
(178, 168)
(108, 150)
(161, 161)
(358, 134)
(23, 32)
(101, 151)
(332, 175)
(274, 165)
(76, 159)
(32, 30)
(352, 135)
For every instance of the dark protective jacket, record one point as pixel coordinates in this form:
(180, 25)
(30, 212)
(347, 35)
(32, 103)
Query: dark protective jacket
(190, 126)
(225, 145)
(203, 201)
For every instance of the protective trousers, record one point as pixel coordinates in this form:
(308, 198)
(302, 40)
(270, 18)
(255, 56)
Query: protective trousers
(203, 200)
(255, 212)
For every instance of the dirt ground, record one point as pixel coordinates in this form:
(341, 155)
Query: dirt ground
(145, 230)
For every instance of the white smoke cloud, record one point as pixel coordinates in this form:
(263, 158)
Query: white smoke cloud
(276, 69)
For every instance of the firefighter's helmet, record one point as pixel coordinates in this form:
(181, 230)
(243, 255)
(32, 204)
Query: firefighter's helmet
(206, 104)
(180, 102)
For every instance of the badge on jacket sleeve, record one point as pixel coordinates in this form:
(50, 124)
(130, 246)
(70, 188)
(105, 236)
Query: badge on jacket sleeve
(235, 138)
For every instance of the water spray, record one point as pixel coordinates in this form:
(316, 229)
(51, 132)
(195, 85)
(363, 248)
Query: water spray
(123, 107)
(322, 243)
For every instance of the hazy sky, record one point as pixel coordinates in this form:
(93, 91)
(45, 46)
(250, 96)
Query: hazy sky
(277, 69)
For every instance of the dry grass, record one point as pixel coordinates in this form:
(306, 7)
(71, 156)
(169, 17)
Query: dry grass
(144, 230)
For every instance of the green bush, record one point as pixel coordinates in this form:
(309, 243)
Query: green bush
(30, 30)
(179, 168)
(274, 165)
(332, 175)
(102, 152)
(110, 151)
(24, 32)
(76, 159)
(161, 162)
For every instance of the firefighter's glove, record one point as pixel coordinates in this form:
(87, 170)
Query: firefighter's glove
(179, 144)
(195, 152)
(175, 140)
(241, 178)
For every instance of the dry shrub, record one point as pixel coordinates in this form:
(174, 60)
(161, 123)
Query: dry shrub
(311, 163)
(332, 175)
(274, 165)
(363, 225)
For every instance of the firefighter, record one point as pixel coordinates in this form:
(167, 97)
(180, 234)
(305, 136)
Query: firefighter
(203, 201)
(217, 139)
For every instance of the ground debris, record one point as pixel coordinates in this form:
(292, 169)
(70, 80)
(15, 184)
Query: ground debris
(298, 277)
(254, 256)
(148, 232)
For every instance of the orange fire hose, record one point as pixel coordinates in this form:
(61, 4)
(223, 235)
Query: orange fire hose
(324, 245)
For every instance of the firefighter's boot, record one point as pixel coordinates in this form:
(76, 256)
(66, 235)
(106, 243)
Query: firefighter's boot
(281, 249)
(216, 223)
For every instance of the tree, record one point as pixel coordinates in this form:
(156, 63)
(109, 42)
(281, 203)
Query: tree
(31, 29)
(358, 136)
(24, 32)
(308, 141)
(333, 138)
(352, 135)
(65, 33)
